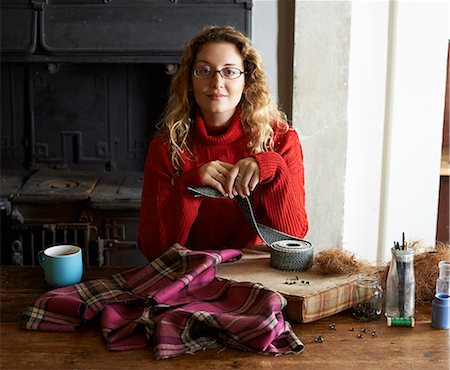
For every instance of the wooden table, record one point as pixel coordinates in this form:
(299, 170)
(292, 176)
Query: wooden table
(421, 347)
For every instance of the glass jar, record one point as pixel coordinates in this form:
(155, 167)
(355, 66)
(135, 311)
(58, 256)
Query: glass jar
(401, 284)
(367, 298)
(443, 281)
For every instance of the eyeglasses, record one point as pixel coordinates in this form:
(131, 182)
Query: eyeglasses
(229, 73)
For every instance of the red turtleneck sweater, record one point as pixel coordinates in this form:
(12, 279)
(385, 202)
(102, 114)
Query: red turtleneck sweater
(170, 214)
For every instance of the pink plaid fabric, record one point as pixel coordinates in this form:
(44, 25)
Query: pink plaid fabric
(176, 303)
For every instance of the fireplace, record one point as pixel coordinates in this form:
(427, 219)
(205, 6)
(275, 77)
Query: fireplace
(83, 83)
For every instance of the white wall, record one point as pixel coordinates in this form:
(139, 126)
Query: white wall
(321, 55)
(396, 104)
(369, 85)
(366, 116)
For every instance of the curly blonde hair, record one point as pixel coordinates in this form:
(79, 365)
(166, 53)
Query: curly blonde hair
(259, 114)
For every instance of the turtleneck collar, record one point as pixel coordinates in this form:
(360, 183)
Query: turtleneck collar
(232, 133)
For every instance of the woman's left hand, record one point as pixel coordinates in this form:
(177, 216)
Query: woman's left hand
(242, 178)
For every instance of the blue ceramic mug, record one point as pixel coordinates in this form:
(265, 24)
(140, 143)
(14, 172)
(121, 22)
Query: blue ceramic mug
(62, 264)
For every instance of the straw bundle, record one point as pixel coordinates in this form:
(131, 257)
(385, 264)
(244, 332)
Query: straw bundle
(426, 269)
(337, 261)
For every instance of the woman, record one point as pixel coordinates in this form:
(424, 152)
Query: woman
(220, 129)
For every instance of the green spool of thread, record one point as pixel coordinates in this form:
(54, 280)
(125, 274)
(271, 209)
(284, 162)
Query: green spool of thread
(401, 321)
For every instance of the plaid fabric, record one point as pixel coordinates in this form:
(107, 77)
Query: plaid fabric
(177, 303)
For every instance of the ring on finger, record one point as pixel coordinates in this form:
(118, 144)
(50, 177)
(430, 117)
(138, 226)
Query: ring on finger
(238, 176)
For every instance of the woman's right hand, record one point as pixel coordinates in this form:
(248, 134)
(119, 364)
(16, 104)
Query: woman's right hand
(214, 174)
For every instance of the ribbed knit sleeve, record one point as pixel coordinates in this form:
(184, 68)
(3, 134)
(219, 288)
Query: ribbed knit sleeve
(279, 199)
(168, 210)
